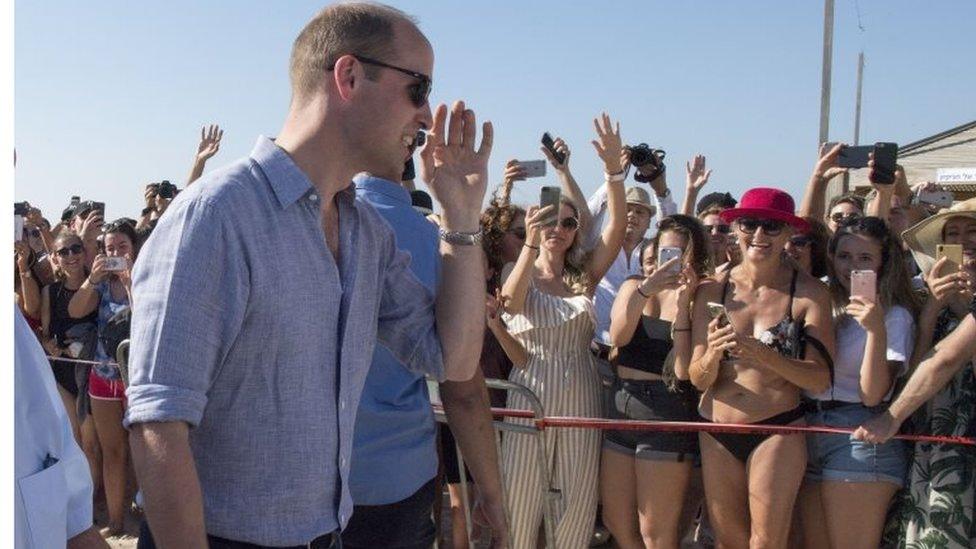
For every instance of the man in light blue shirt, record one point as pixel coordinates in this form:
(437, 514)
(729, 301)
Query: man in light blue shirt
(261, 293)
(394, 453)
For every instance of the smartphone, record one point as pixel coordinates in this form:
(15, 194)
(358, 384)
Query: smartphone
(99, 208)
(885, 160)
(550, 196)
(75, 200)
(667, 253)
(115, 263)
(548, 143)
(864, 284)
(533, 168)
(21, 208)
(854, 157)
(717, 310)
(939, 199)
(18, 228)
(409, 172)
(951, 251)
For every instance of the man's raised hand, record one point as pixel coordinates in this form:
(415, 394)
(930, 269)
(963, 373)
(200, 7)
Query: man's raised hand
(209, 141)
(456, 173)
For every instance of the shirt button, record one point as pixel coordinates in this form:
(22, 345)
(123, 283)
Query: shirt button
(313, 197)
(342, 462)
(342, 404)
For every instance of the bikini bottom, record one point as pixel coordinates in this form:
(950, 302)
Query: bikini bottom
(742, 445)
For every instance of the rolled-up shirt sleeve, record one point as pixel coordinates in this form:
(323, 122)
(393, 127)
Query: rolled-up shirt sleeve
(190, 288)
(407, 324)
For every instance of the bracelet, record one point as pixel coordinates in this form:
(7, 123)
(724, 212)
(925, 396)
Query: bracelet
(614, 177)
(642, 293)
(688, 329)
(25, 273)
(536, 248)
(460, 238)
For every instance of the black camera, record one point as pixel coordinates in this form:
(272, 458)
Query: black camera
(167, 189)
(649, 161)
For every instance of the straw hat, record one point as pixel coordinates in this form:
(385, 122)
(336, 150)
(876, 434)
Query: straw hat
(925, 235)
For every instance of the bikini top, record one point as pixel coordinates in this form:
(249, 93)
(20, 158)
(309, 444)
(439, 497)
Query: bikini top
(787, 334)
(648, 348)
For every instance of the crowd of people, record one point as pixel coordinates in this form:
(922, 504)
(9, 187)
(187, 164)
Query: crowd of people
(744, 310)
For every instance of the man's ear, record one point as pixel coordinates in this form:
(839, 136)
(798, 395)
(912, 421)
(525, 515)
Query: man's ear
(346, 75)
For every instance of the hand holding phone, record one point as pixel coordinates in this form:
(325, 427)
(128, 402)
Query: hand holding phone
(717, 310)
(550, 145)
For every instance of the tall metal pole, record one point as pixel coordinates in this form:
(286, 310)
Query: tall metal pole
(857, 112)
(828, 48)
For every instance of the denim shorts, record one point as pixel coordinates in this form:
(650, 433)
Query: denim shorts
(838, 458)
(652, 400)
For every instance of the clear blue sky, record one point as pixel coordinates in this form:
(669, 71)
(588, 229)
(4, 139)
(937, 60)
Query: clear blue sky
(111, 94)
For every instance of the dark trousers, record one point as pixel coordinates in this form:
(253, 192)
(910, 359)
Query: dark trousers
(405, 524)
(328, 541)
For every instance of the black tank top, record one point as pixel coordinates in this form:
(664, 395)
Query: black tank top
(61, 321)
(648, 348)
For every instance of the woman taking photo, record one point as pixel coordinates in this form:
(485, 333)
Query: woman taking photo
(106, 292)
(548, 300)
(772, 339)
(644, 475)
(849, 484)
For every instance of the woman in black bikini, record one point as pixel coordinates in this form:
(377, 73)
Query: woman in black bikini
(754, 375)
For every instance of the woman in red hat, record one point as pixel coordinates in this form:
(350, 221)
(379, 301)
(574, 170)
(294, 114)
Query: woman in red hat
(770, 338)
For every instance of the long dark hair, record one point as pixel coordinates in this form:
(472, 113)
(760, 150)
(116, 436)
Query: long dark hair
(819, 236)
(694, 231)
(124, 226)
(894, 282)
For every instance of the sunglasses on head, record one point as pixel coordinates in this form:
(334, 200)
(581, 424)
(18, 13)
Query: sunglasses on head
(769, 226)
(844, 218)
(74, 249)
(801, 241)
(569, 223)
(719, 227)
(418, 92)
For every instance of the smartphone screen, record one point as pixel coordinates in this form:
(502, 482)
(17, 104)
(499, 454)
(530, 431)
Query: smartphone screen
(548, 143)
(100, 208)
(951, 251)
(533, 168)
(667, 253)
(18, 228)
(550, 196)
(864, 284)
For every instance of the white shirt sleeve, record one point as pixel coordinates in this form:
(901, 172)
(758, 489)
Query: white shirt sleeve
(900, 331)
(597, 204)
(665, 205)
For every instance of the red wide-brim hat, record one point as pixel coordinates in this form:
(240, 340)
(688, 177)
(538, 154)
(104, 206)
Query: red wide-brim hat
(766, 203)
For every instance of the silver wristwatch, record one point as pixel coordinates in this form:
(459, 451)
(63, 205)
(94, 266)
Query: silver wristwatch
(460, 239)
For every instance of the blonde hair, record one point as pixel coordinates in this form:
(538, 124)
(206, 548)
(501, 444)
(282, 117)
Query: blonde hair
(365, 29)
(575, 276)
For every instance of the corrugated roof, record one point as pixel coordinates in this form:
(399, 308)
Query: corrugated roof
(905, 150)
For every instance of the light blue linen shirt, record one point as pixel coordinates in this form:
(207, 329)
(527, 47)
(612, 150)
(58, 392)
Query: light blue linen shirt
(393, 451)
(248, 329)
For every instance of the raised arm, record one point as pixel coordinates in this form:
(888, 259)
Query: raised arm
(85, 300)
(814, 199)
(567, 182)
(209, 145)
(30, 293)
(696, 177)
(517, 277)
(709, 339)
(877, 373)
(634, 294)
(609, 147)
(457, 176)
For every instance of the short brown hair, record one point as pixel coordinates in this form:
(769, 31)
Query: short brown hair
(340, 29)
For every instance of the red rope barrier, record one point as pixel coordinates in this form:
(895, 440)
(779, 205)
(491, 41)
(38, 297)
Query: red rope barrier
(703, 426)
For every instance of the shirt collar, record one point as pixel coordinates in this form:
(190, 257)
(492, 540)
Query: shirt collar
(288, 181)
(394, 191)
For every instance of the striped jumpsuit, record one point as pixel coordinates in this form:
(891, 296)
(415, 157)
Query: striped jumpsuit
(561, 371)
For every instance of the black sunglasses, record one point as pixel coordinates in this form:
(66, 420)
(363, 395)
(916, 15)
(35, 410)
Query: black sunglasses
(74, 249)
(569, 223)
(33, 233)
(418, 92)
(720, 227)
(845, 218)
(801, 241)
(769, 226)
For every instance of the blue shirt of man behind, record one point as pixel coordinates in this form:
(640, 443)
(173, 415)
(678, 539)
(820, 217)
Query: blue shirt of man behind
(394, 456)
